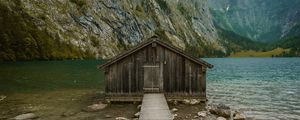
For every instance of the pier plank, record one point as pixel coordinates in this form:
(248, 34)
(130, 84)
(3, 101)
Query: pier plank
(155, 107)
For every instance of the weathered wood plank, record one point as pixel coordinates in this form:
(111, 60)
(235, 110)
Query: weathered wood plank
(177, 74)
(155, 107)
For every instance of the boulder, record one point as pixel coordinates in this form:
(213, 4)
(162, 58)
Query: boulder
(220, 110)
(107, 116)
(186, 101)
(139, 107)
(25, 116)
(174, 110)
(239, 116)
(223, 106)
(202, 114)
(137, 114)
(175, 102)
(194, 101)
(173, 116)
(95, 107)
(106, 102)
(221, 118)
(121, 118)
(2, 97)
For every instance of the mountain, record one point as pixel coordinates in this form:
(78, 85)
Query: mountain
(259, 20)
(292, 43)
(233, 42)
(81, 29)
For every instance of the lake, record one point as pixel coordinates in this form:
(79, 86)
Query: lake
(264, 88)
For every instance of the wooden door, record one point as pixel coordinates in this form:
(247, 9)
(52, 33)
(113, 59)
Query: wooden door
(151, 78)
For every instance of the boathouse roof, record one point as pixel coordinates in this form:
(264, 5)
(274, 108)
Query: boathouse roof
(159, 42)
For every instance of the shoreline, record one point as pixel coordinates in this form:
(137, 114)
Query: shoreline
(70, 104)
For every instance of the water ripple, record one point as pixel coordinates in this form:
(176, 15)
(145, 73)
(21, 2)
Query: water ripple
(264, 88)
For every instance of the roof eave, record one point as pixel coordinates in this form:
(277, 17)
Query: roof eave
(114, 59)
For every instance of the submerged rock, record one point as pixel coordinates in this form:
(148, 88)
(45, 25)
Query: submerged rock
(174, 110)
(190, 101)
(137, 114)
(25, 116)
(95, 107)
(186, 101)
(239, 116)
(2, 97)
(107, 116)
(121, 118)
(202, 113)
(222, 106)
(67, 114)
(194, 101)
(220, 110)
(221, 118)
(139, 107)
(173, 116)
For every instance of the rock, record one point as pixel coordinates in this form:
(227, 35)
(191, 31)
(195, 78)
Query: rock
(25, 116)
(101, 92)
(173, 116)
(220, 110)
(2, 97)
(121, 118)
(239, 116)
(174, 110)
(107, 116)
(194, 101)
(137, 114)
(186, 101)
(202, 114)
(175, 102)
(95, 107)
(221, 118)
(139, 107)
(67, 114)
(222, 106)
(106, 102)
(208, 107)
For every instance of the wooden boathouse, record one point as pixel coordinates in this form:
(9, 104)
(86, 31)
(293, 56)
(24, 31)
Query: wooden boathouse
(155, 66)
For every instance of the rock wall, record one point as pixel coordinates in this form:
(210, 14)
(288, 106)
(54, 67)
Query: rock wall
(59, 29)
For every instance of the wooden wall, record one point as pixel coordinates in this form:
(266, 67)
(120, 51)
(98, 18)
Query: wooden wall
(180, 76)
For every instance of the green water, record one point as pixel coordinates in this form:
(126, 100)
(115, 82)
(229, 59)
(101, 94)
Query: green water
(49, 75)
(264, 88)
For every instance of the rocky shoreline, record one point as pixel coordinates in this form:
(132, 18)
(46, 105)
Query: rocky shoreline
(180, 110)
(79, 108)
(208, 111)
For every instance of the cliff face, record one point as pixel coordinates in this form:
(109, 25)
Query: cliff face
(58, 29)
(260, 20)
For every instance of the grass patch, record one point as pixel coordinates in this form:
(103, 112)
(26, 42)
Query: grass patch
(252, 53)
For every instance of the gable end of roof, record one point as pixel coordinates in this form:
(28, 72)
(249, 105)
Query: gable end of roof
(158, 41)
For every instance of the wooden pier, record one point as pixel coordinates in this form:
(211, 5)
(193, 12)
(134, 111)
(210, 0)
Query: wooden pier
(155, 107)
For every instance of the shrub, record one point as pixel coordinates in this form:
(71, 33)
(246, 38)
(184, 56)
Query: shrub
(79, 3)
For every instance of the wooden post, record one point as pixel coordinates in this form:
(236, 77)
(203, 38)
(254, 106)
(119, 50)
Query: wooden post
(129, 77)
(190, 79)
(161, 82)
